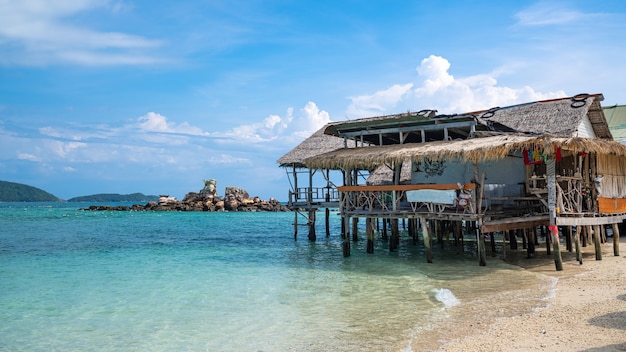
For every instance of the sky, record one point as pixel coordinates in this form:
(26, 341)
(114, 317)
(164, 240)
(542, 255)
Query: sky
(100, 96)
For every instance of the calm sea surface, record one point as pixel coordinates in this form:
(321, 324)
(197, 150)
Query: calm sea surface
(73, 280)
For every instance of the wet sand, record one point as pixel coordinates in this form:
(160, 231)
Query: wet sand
(587, 311)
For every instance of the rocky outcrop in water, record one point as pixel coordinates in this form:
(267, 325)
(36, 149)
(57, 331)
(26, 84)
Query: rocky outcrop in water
(235, 199)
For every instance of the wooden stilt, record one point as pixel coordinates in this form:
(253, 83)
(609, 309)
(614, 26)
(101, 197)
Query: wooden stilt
(577, 234)
(596, 242)
(327, 221)
(369, 225)
(427, 243)
(394, 240)
(548, 240)
(482, 251)
(295, 225)
(616, 240)
(531, 242)
(513, 239)
(556, 243)
(385, 236)
(355, 229)
(492, 240)
(412, 231)
(346, 238)
(568, 238)
(312, 235)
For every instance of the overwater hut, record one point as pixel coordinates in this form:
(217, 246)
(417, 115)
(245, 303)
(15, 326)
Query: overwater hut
(307, 196)
(547, 164)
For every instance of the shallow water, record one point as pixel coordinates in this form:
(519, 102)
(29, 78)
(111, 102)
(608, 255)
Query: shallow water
(125, 281)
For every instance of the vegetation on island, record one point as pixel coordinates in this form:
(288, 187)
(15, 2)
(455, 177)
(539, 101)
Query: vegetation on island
(17, 192)
(114, 197)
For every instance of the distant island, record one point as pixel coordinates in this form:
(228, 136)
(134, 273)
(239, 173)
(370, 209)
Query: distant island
(17, 192)
(114, 197)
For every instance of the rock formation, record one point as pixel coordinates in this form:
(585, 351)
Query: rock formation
(235, 199)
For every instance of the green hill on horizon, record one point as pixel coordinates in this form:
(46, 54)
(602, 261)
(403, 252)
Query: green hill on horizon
(115, 197)
(18, 192)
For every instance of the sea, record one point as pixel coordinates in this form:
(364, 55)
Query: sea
(76, 280)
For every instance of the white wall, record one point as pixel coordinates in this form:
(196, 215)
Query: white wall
(585, 130)
(503, 177)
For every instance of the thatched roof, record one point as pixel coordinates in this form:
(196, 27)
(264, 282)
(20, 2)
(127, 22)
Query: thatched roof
(559, 117)
(318, 143)
(383, 175)
(474, 149)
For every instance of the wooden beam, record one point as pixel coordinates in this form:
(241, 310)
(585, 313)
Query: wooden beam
(514, 223)
(590, 221)
(404, 187)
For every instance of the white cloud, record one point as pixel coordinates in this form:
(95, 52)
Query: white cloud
(36, 32)
(379, 102)
(154, 122)
(440, 90)
(27, 156)
(288, 128)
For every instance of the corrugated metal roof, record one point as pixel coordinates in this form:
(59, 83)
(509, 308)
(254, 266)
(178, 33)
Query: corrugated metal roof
(616, 119)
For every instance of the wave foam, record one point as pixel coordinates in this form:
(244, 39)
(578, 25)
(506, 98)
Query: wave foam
(446, 297)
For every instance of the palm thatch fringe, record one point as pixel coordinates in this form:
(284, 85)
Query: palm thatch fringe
(474, 150)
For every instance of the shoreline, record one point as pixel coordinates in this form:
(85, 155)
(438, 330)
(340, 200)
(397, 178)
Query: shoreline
(585, 310)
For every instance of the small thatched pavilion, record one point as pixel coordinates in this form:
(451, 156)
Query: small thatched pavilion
(305, 201)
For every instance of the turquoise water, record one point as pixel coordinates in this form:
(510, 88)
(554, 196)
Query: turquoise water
(75, 280)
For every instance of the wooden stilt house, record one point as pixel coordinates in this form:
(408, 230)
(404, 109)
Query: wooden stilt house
(312, 189)
(541, 165)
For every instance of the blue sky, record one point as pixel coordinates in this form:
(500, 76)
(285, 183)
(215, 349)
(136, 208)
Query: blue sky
(101, 96)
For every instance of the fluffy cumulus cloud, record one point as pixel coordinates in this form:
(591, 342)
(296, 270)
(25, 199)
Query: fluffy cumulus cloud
(288, 128)
(154, 122)
(436, 88)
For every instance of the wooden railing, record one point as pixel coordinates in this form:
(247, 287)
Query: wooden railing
(314, 195)
(432, 198)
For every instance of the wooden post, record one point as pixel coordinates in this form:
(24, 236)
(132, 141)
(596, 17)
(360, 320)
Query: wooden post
(412, 230)
(531, 242)
(385, 236)
(579, 255)
(492, 239)
(513, 239)
(327, 213)
(394, 240)
(596, 242)
(355, 229)
(554, 230)
(427, 244)
(616, 240)
(312, 235)
(554, 234)
(295, 224)
(369, 225)
(295, 198)
(480, 240)
(568, 238)
(346, 238)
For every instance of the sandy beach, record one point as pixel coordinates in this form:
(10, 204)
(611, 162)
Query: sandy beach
(586, 313)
